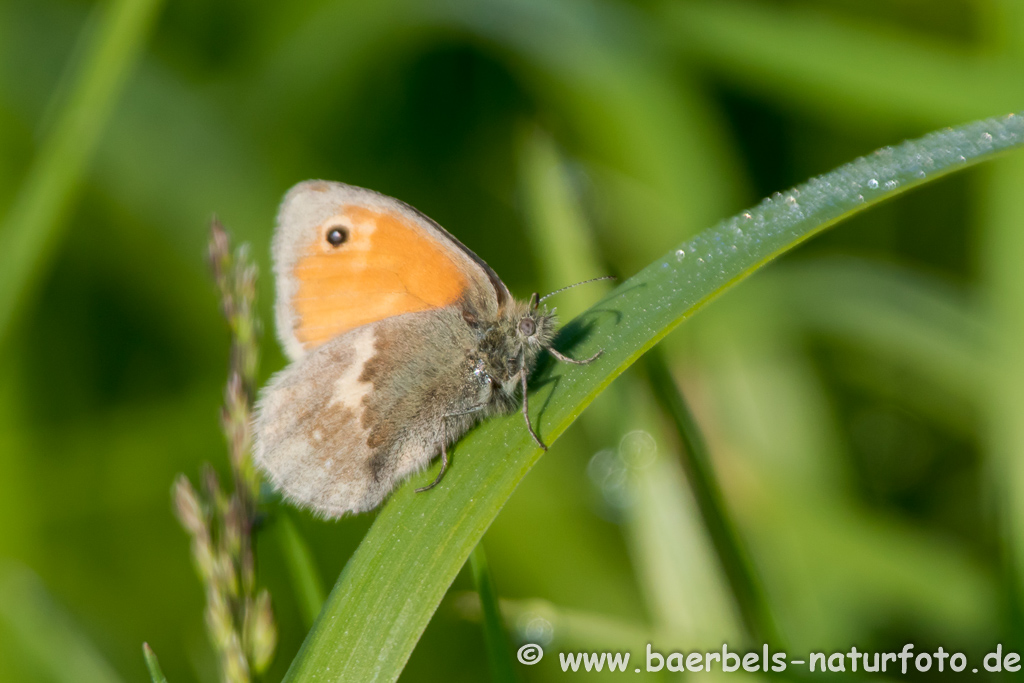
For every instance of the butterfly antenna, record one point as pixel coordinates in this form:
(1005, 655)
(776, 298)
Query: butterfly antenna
(585, 282)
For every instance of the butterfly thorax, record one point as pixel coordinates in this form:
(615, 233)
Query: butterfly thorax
(509, 347)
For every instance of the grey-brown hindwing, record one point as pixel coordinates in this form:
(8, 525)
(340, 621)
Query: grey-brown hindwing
(337, 429)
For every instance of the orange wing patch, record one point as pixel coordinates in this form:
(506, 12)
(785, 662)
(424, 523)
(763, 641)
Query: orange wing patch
(384, 267)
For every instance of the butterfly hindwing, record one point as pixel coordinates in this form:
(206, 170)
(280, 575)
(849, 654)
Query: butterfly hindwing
(340, 427)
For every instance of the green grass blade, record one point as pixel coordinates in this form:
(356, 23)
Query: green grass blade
(732, 554)
(309, 589)
(499, 653)
(43, 632)
(393, 583)
(29, 232)
(681, 580)
(914, 320)
(1004, 248)
(848, 72)
(537, 620)
(655, 149)
(156, 674)
(563, 245)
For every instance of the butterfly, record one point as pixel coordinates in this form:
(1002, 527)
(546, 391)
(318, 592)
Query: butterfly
(399, 339)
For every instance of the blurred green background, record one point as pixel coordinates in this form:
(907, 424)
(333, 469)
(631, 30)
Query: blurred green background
(862, 398)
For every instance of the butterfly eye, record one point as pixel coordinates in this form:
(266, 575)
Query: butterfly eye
(527, 327)
(337, 236)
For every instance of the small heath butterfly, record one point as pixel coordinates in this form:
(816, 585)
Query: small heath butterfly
(400, 339)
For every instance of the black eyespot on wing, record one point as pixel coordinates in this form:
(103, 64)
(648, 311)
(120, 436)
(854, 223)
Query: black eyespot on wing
(337, 236)
(527, 327)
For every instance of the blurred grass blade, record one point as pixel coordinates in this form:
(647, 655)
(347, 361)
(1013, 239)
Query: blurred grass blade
(655, 149)
(918, 321)
(845, 71)
(30, 230)
(499, 652)
(44, 633)
(156, 674)
(393, 583)
(688, 597)
(732, 554)
(827, 550)
(562, 242)
(540, 621)
(814, 542)
(306, 582)
(685, 591)
(652, 141)
(1004, 249)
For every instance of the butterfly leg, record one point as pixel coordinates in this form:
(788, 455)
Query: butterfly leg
(444, 447)
(565, 359)
(444, 464)
(526, 413)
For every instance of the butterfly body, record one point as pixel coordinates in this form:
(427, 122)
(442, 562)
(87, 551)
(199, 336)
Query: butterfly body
(400, 340)
(345, 423)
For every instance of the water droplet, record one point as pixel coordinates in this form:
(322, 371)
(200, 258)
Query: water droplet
(680, 254)
(892, 184)
(987, 137)
(873, 183)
